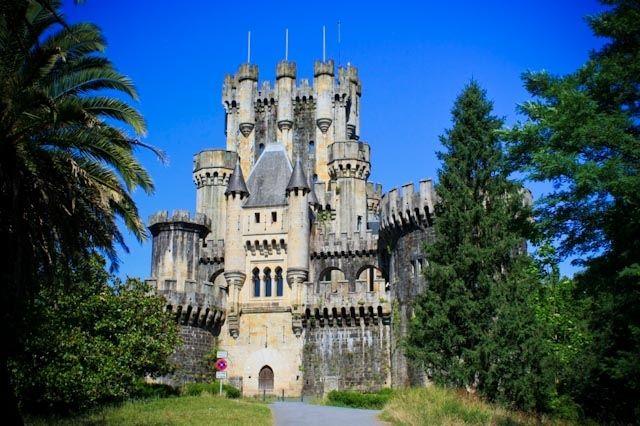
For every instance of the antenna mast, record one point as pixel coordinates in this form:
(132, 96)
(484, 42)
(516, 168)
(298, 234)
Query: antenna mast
(249, 47)
(286, 44)
(324, 45)
(339, 52)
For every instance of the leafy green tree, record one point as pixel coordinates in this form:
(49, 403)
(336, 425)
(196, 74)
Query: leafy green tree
(94, 338)
(474, 318)
(583, 134)
(67, 156)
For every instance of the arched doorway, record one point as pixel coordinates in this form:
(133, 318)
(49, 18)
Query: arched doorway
(265, 379)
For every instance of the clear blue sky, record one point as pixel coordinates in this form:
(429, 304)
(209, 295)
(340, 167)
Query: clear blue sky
(413, 58)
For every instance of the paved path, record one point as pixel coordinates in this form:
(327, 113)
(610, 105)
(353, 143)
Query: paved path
(303, 414)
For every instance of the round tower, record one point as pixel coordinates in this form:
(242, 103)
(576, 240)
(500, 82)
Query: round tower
(353, 110)
(211, 171)
(349, 167)
(234, 252)
(247, 77)
(323, 86)
(175, 249)
(298, 240)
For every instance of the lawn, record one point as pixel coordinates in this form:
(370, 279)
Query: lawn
(185, 410)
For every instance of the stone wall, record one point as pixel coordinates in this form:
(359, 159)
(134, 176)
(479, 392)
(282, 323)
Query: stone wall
(405, 260)
(190, 357)
(355, 357)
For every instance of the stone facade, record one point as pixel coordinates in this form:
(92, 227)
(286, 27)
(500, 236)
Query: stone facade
(304, 271)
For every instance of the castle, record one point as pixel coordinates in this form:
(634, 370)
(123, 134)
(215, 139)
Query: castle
(294, 263)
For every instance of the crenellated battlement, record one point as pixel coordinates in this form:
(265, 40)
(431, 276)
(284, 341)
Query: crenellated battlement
(247, 72)
(323, 68)
(213, 167)
(286, 69)
(332, 245)
(178, 216)
(349, 159)
(404, 206)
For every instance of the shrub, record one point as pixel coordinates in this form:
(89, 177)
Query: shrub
(213, 388)
(145, 390)
(355, 399)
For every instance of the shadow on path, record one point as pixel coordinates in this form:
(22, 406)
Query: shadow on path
(300, 413)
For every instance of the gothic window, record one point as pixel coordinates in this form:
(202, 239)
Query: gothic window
(279, 282)
(256, 282)
(267, 282)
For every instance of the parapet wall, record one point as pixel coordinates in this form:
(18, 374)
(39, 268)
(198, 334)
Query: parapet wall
(403, 206)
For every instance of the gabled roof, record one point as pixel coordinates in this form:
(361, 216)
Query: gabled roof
(268, 178)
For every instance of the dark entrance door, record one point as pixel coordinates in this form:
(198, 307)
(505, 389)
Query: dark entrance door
(265, 379)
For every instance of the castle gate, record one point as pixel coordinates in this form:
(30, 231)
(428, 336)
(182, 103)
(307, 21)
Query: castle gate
(265, 379)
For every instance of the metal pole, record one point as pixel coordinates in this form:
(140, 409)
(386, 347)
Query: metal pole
(249, 47)
(324, 45)
(286, 44)
(220, 387)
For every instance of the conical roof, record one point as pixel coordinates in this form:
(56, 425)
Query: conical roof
(313, 198)
(298, 180)
(236, 181)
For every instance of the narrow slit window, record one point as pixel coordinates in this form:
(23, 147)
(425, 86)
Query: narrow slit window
(257, 217)
(274, 217)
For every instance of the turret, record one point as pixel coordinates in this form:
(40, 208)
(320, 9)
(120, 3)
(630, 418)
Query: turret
(234, 252)
(298, 239)
(353, 105)
(211, 172)
(349, 167)
(247, 77)
(285, 83)
(230, 103)
(323, 85)
(176, 248)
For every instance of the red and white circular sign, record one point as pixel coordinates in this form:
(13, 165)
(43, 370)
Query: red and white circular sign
(221, 364)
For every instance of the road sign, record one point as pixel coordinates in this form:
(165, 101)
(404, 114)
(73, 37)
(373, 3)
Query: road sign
(221, 354)
(221, 374)
(221, 364)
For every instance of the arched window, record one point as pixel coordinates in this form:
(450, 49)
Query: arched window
(267, 282)
(256, 282)
(279, 282)
(312, 147)
(260, 148)
(265, 378)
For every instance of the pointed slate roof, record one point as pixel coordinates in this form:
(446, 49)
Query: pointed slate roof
(236, 181)
(268, 178)
(298, 180)
(313, 198)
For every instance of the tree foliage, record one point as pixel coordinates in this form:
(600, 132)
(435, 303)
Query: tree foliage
(474, 325)
(68, 139)
(583, 134)
(93, 338)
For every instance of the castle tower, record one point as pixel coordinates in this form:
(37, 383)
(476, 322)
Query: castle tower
(211, 171)
(349, 167)
(247, 78)
(323, 85)
(285, 84)
(234, 252)
(176, 248)
(298, 237)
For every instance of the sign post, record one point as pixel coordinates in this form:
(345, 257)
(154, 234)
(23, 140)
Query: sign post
(221, 365)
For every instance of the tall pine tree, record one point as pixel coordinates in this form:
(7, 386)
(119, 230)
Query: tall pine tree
(461, 321)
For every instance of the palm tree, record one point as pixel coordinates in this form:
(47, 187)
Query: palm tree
(67, 153)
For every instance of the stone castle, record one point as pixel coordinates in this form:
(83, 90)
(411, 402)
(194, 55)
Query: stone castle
(294, 263)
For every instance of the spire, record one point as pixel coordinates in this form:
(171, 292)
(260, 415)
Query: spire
(236, 182)
(298, 179)
(313, 198)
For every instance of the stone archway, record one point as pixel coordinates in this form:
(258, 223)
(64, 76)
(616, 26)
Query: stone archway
(265, 379)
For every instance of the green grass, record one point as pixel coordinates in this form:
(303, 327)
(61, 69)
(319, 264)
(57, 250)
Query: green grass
(437, 406)
(204, 409)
